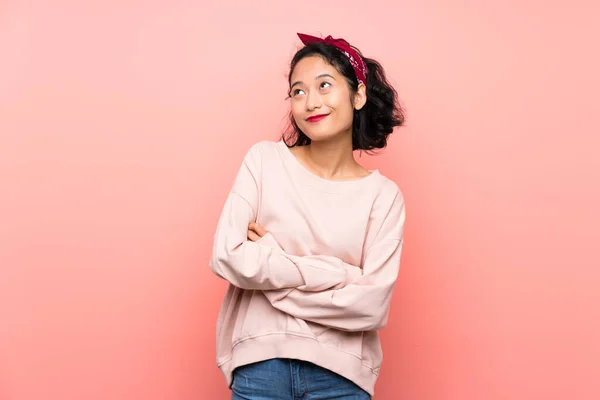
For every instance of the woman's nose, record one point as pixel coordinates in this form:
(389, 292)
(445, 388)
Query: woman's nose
(313, 100)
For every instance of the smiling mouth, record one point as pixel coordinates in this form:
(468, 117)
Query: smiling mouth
(316, 118)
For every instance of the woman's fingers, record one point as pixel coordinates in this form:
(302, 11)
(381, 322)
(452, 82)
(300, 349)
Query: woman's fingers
(252, 236)
(258, 228)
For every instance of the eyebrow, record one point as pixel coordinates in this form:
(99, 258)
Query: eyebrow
(318, 77)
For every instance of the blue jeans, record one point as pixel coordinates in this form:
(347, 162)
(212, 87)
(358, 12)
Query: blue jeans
(284, 379)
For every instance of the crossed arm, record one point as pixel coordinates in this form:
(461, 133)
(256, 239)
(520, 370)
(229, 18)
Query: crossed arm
(321, 289)
(361, 305)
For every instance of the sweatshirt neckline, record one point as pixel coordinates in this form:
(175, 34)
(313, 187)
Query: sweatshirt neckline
(322, 183)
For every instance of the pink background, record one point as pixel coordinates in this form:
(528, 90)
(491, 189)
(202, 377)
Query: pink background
(123, 123)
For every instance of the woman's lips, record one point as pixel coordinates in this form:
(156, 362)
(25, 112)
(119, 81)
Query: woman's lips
(316, 118)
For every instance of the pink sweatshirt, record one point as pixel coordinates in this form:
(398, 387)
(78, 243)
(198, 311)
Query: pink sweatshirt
(318, 286)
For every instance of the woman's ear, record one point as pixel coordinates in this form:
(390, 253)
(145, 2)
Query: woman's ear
(360, 97)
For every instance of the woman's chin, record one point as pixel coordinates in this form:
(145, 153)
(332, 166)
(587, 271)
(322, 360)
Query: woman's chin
(323, 135)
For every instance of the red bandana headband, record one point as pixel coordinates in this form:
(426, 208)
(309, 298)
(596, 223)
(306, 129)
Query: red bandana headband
(360, 69)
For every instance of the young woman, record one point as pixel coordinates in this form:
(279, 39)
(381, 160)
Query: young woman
(310, 240)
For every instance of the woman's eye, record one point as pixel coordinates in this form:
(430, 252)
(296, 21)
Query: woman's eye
(296, 92)
(325, 84)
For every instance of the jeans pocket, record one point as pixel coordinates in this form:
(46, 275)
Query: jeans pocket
(260, 379)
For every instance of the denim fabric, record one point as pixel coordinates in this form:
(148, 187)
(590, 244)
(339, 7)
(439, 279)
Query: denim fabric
(284, 379)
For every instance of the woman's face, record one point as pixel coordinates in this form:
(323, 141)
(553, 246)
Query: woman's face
(321, 99)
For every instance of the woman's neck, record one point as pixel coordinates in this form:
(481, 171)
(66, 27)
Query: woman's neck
(332, 159)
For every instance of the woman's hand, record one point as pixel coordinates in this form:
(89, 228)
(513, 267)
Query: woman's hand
(256, 231)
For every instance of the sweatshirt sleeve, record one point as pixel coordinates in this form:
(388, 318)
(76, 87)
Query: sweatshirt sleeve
(260, 265)
(363, 304)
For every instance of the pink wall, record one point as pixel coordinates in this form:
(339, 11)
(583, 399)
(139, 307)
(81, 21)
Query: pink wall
(122, 125)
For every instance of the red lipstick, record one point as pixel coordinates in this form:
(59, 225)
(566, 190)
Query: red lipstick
(316, 118)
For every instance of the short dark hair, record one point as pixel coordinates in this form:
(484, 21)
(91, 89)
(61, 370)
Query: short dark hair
(375, 120)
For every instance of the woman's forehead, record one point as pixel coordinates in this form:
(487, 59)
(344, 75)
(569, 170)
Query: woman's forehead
(312, 67)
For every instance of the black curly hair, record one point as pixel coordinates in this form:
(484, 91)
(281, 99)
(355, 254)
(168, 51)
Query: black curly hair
(371, 124)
